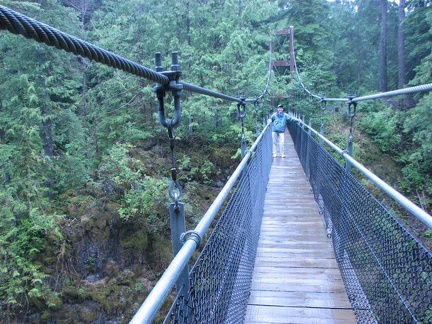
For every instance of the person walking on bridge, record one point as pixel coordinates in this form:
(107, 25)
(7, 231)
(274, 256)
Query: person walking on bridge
(279, 122)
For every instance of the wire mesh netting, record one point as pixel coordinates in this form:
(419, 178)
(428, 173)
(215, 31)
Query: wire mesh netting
(221, 277)
(386, 270)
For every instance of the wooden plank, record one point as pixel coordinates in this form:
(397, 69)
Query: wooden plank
(296, 278)
(306, 315)
(299, 262)
(300, 299)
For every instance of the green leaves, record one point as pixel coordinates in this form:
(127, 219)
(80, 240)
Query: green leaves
(22, 279)
(142, 197)
(384, 127)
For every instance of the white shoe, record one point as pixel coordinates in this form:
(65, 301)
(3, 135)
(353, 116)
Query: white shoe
(283, 155)
(274, 155)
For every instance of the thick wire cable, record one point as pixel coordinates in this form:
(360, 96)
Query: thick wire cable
(299, 78)
(20, 24)
(415, 89)
(269, 74)
(17, 23)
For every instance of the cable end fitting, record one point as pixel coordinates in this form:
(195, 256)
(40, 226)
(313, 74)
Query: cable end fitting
(158, 62)
(175, 66)
(344, 152)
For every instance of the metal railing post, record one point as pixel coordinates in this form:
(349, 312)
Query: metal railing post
(178, 228)
(351, 114)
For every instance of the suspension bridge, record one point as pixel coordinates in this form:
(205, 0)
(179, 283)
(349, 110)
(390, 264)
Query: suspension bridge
(298, 239)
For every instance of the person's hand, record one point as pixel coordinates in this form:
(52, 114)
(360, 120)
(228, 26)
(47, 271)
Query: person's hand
(269, 121)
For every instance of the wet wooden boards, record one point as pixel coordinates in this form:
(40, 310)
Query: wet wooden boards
(296, 278)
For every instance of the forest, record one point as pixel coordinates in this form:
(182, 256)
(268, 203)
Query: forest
(85, 164)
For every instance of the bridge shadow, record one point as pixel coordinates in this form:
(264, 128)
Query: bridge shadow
(296, 278)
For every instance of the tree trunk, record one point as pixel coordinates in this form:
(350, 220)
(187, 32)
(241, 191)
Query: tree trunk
(383, 47)
(188, 24)
(3, 142)
(401, 46)
(48, 144)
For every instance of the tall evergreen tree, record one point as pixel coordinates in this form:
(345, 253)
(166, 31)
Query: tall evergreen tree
(37, 88)
(383, 46)
(418, 37)
(401, 45)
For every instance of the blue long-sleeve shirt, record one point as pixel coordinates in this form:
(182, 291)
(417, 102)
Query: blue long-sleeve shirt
(279, 121)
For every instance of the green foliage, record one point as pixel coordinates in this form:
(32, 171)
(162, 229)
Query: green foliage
(23, 279)
(417, 128)
(428, 234)
(202, 171)
(37, 85)
(383, 126)
(141, 196)
(145, 202)
(418, 43)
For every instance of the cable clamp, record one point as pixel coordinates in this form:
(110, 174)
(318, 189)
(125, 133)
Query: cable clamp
(191, 235)
(241, 113)
(174, 86)
(323, 103)
(352, 105)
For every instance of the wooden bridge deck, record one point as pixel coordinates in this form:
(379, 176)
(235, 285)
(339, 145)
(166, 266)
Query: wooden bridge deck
(296, 278)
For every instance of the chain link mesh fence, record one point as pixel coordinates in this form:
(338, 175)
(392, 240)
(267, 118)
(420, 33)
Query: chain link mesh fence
(221, 277)
(386, 270)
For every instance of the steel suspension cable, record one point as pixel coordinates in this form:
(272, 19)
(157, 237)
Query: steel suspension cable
(419, 88)
(20, 24)
(17, 23)
(299, 78)
(204, 91)
(269, 74)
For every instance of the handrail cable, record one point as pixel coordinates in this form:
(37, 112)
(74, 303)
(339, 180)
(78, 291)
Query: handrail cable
(405, 202)
(419, 88)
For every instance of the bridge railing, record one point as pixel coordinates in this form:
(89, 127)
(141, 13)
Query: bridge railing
(219, 281)
(386, 270)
